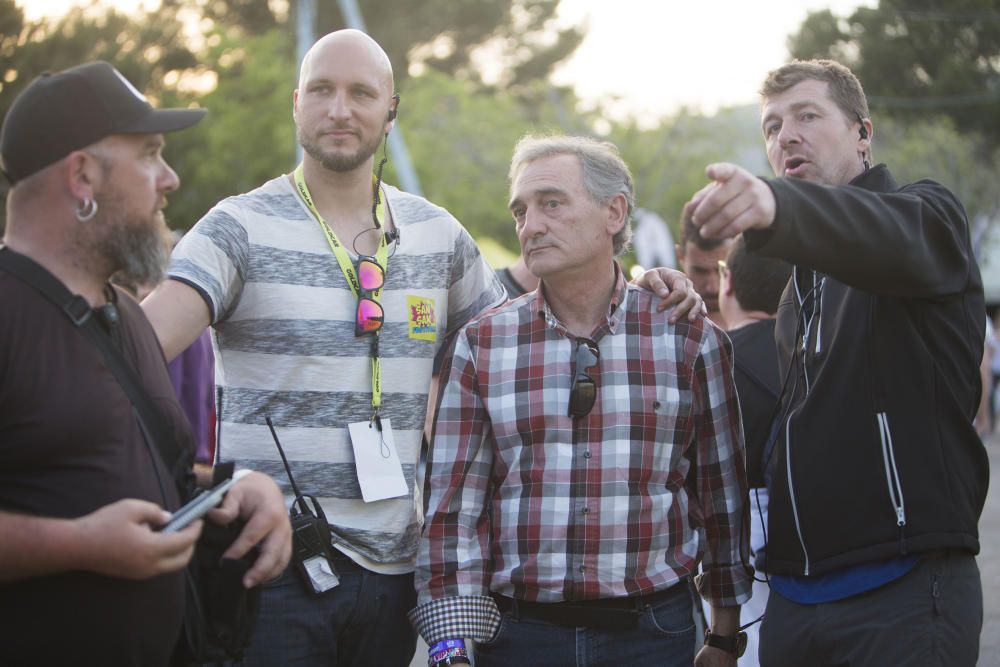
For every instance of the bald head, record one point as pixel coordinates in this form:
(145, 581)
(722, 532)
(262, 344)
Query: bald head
(349, 43)
(344, 104)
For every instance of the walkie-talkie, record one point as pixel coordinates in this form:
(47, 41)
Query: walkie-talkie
(311, 545)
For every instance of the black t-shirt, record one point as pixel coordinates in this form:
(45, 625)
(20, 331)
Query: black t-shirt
(69, 444)
(514, 288)
(755, 371)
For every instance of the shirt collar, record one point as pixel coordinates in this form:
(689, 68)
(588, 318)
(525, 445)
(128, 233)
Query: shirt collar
(612, 320)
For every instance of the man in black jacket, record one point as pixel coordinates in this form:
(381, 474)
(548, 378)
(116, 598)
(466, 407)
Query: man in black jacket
(877, 477)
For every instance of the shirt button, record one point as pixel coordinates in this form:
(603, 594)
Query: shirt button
(586, 510)
(586, 455)
(581, 568)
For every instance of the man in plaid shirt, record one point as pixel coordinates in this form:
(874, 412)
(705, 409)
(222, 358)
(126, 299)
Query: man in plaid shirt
(587, 453)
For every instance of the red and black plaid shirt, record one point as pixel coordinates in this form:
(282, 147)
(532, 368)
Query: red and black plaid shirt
(625, 501)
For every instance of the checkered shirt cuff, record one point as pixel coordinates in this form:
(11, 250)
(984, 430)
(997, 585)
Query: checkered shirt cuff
(473, 617)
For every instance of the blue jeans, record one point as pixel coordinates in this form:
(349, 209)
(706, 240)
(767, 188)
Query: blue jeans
(360, 622)
(663, 635)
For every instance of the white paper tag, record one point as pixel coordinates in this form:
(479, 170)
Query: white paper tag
(379, 471)
(321, 574)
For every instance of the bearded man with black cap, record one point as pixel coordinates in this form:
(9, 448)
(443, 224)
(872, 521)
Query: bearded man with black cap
(85, 577)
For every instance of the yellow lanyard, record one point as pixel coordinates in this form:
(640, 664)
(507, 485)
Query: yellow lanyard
(347, 266)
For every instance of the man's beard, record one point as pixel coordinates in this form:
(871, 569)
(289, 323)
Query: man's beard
(339, 162)
(135, 248)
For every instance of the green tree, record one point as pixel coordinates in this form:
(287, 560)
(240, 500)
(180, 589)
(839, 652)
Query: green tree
(934, 148)
(243, 69)
(248, 136)
(461, 137)
(145, 49)
(932, 76)
(668, 161)
(150, 50)
(918, 58)
(519, 38)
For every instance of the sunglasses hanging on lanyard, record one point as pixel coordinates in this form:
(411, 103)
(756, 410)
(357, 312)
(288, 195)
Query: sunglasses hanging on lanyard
(380, 472)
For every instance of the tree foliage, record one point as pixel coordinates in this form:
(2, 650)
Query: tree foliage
(151, 52)
(934, 148)
(668, 161)
(519, 38)
(240, 64)
(248, 136)
(145, 51)
(918, 58)
(459, 128)
(461, 138)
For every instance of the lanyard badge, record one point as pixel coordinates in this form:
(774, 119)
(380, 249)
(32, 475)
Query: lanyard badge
(380, 472)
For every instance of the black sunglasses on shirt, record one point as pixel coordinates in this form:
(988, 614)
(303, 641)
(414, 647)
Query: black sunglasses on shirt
(583, 392)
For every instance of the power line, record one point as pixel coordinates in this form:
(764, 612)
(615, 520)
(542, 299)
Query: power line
(953, 16)
(942, 102)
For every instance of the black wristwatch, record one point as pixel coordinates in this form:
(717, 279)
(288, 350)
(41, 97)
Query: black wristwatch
(732, 645)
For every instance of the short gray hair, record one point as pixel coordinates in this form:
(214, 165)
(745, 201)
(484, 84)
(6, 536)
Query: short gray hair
(604, 172)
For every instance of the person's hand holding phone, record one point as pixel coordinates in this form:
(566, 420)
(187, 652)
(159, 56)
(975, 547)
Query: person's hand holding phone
(201, 504)
(121, 540)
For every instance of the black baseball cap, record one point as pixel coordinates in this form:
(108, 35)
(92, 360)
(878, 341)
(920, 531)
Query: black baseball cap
(69, 110)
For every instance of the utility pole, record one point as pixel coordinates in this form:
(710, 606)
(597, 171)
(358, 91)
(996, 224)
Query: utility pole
(305, 20)
(408, 180)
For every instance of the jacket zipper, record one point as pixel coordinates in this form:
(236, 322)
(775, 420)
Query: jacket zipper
(893, 484)
(818, 299)
(891, 472)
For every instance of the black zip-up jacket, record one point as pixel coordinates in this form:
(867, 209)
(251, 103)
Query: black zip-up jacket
(880, 335)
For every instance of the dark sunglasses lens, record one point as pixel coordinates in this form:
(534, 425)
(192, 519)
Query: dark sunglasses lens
(370, 275)
(370, 316)
(582, 397)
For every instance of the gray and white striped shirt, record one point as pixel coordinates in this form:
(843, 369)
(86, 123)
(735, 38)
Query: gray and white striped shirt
(283, 319)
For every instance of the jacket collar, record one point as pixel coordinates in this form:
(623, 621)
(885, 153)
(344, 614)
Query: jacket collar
(876, 179)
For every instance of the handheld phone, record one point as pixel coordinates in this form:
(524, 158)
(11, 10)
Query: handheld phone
(201, 504)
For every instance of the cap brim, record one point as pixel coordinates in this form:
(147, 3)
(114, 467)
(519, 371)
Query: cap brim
(160, 121)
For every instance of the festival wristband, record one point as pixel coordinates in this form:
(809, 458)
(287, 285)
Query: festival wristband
(443, 652)
(446, 644)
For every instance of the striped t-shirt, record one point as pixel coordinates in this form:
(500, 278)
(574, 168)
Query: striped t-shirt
(283, 318)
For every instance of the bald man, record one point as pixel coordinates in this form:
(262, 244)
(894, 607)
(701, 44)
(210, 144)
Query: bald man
(289, 277)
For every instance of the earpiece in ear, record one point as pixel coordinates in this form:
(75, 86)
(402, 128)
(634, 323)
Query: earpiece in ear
(863, 132)
(392, 110)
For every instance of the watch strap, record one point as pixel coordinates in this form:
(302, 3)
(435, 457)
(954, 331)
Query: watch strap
(734, 645)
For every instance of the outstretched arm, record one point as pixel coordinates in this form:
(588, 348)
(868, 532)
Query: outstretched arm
(732, 203)
(178, 314)
(910, 242)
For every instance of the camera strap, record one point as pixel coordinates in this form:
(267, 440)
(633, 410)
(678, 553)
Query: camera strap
(79, 312)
